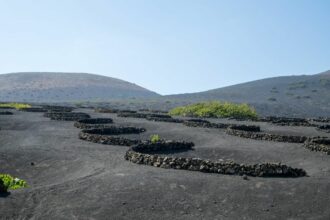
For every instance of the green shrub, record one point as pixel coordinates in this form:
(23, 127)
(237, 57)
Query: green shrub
(12, 182)
(14, 105)
(215, 109)
(154, 138)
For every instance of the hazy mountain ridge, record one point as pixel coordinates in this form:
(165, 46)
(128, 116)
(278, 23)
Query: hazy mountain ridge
(305, 95)
(61, 87)
(287, 95)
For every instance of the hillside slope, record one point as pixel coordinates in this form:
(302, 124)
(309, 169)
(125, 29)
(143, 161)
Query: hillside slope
(61, 87)
(305, 95)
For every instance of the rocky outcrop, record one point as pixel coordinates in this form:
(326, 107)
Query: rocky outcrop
(107, 135)
(321, 144)
(93, 123)
(141, 154)
(66, 116)
(267, 136)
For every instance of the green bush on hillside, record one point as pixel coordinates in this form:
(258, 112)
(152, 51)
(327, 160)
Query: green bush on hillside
(14, 105)
(12, 182)
(215, 109)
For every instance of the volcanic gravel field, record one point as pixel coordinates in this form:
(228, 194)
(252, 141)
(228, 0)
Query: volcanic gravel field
(70, 178)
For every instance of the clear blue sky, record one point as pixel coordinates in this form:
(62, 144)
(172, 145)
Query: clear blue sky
(169, 46)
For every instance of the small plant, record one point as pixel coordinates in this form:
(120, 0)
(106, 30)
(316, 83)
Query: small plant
(12, 182)
(14, 105)
(154, 138)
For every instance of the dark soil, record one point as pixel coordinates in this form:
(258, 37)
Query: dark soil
(76, 179)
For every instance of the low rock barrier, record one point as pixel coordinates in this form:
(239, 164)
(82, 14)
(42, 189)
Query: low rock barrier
(140, 154)
(33, 109)
(283, 121)
(325, 128)
(55, 108)
(252, 128)
(3, 188)
(321, 144)
(6, 113)
(267, 136)
(141, 115)
(66, 116)
(322, 119)
(105, 135)
(204, 124)
(93, 123)
(106, 110)
(173, 120)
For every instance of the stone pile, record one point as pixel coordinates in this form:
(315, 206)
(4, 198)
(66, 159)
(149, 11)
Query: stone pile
(267, 136)
(106, 135)
(66, 116)
(140, 154)
(321, 144)
(93, 123)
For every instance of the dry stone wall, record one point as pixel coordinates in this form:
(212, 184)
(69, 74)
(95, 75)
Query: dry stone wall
(140, 154)
(266, 136)
(66, 116)
(108, 135)
(321, 144)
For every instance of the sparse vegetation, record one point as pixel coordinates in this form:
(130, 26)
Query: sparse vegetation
(14, 105)
(154, 138)
(297, 85)
(12, 182)
(215, 109)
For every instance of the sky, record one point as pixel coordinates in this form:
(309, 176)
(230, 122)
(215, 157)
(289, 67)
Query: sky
(168, 46)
